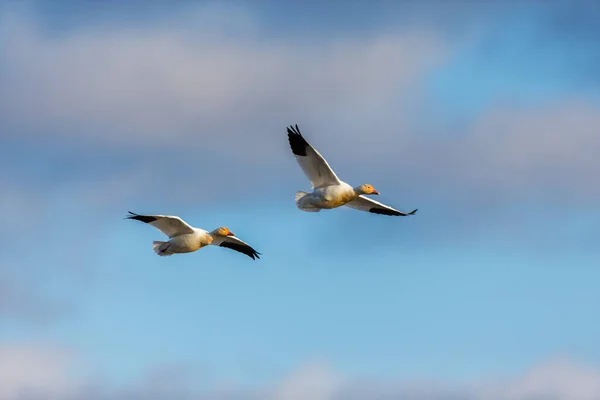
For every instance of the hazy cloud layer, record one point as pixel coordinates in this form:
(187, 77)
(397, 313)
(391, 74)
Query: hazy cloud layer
(34, 372)
(546, 150)
(37, 372)
(174, 100)
(197, 88)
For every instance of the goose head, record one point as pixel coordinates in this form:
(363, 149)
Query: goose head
(223, 231)
(366, 189)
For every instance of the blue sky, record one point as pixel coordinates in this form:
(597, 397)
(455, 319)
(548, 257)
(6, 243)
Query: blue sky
(484, 115)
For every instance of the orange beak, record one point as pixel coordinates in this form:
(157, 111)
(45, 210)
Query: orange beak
(375, 192)
(230, 233)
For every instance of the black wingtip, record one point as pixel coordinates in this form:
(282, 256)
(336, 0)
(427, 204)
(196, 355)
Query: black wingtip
(244, 249)
(385, 211)
(142, 218)
(253, 254)
(297, 142)
(394, 213)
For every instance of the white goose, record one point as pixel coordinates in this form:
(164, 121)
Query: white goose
(328, 190)
(184, 238)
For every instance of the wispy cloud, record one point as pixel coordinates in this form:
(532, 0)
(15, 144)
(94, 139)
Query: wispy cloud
(37, 372)
(34, 372)
(173, 99)
(177, 97)
(508, 152)
(196, 88)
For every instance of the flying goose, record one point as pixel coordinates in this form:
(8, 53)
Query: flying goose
(184, 238)
(328, 190)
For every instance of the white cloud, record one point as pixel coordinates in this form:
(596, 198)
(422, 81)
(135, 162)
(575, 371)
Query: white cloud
(32, 372)
(199, 91)
(561, 379)
(555, 380)
(176, 87)
(549, 148)
(182, 88)
(508, 153)
(212, 86)
(315, 381)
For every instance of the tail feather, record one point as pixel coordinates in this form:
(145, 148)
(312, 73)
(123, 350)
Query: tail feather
(161, 248)
(299, 197)
(309, 209)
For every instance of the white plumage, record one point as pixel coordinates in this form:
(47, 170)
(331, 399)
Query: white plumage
(184, 238)
(328, 190)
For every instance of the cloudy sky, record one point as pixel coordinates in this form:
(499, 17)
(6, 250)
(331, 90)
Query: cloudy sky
(484, 115)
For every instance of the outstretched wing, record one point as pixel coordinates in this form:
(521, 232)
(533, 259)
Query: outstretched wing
(233, 243)
(364, 203)
(169, 225)
(313, 164)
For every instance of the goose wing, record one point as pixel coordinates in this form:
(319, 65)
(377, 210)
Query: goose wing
(168, 224)
(313, 164)
(364, 203)
(234, 243)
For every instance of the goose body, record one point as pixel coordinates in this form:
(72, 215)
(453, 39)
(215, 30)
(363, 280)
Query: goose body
(184, 238)
(329, 191)
(328, 197)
